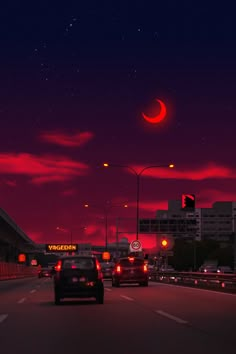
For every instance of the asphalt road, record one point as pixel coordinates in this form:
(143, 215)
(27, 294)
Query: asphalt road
(133, 320)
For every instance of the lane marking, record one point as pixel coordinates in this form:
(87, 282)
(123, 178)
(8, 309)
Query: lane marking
(171, 317)
(107, 289)
(3, 317)
(21, 300)
(32, 291)
(194, 289)
(127, 297)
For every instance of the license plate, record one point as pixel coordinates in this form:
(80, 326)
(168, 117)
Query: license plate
(74, 280)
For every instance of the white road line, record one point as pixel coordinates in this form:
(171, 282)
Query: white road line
(107, 289)
(21, 300)
(171, 317)
(127, 297)
(3, 317)
(32, 291)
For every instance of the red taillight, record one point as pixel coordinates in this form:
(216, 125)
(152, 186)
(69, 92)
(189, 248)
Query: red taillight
(99, 269)
(118, 269)
(98, 265)
(145, 268)
(58, 266)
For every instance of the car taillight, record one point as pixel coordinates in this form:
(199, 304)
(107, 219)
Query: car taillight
(118, 269)
(98, 266)
(145, 268)
(58, 266)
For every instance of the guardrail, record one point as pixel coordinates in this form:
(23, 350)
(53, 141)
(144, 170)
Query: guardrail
(16, 271)
(212, 281)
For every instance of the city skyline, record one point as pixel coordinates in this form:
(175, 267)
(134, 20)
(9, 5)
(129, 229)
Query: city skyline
(75, 81)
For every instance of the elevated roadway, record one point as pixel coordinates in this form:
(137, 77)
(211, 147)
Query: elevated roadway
(13, 240)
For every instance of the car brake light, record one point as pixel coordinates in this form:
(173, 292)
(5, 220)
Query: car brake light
(58, 266)
(145, 268)
(118, 269)
(98, 266)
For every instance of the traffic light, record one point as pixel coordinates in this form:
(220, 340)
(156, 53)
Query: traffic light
(188, 201)
(164, 243)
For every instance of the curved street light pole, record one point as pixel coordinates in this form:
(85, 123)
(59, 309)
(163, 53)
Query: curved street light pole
(106, 209)
(69, 231)
(138, 175)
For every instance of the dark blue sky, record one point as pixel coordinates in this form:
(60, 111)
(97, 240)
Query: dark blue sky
(75, 79)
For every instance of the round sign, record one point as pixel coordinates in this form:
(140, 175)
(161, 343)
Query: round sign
(136, 245)
(106, 256)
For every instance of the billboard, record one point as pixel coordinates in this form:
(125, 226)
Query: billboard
(58, 247)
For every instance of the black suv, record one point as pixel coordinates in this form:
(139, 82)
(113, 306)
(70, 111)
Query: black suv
(130, 270)
(78, 277)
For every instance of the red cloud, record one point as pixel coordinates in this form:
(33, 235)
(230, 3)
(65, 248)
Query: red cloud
(210, 171)
(75, 140)
(11, 183)
(41, 169)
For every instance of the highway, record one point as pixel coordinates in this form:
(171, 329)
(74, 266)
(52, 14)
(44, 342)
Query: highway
(159, 319)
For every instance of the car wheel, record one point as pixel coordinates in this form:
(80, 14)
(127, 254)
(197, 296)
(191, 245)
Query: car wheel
(117, 283)
(100, 298)
(57, 298)
(145, 283)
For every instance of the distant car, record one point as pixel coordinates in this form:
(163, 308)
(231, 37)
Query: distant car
(78, 277)
(167, 269)
(208, 269)
(44, 272)
(224, 269)
(107, 269)
(130, 270)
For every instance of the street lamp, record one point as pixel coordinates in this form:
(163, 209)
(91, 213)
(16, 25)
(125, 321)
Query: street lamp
(69, 231)
(106, 208)
(138, 175)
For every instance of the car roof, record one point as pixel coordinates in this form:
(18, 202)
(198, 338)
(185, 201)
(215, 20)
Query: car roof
(127, 258)
(77, 256)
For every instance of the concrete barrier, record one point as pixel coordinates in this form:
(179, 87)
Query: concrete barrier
(15, 271)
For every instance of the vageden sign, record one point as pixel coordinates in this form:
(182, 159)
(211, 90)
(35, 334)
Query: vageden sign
(61, 248)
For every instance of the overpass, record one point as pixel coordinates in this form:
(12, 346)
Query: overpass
(13, 240)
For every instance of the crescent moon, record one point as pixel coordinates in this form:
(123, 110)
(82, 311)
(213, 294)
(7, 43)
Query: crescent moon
(158, 118)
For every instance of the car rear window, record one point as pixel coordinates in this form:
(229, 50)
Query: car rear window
(78, 263)
(129, 263)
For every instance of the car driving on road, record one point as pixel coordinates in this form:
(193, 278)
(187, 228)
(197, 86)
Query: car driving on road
(130, 270)
(78, 277)
(107, 269)
(44, 272)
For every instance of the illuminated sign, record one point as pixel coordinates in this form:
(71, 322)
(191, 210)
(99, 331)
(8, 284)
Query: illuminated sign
(61, 248)
(106, 256)
(21, 257)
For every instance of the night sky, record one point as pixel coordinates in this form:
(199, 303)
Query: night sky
(75, 77)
